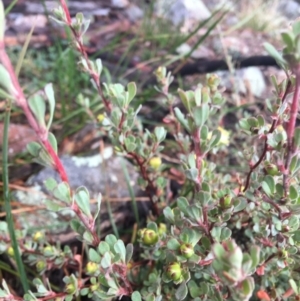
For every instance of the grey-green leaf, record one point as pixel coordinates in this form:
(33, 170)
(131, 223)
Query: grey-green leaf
(201, 114)
(181, 292)
(136, 296)
(82, 199)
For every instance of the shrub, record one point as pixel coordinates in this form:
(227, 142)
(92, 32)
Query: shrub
(189, 250)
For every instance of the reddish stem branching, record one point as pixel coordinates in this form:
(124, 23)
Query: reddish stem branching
(80, 47)
(151, 188)
(21, 101)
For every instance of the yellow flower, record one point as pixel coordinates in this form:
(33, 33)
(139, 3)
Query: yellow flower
(155, 162)
(10, 251)
(38, 236)
(100, 118)
(280, 128)
(225, 135)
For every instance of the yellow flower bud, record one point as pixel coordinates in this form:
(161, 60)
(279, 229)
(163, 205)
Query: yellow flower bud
(41, 265)
(11, 252)
(225, 135)
(92, 267)
(100, 118)
(162, 229)
(174, 271)
(70, 289)
(38, 236)
(155, 162)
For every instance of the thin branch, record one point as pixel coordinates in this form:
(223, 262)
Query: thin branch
(291, 126)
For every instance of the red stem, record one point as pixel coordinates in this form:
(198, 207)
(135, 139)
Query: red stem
(21, 101)
(291, 126)
(197, 149)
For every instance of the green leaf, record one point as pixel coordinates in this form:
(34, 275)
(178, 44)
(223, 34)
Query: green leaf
(51, 99)
(169, 215)
(180, 117)
(201, 114)
(5, 95)
(204, 197)
(261, 121)
(240, 204)
(191, 174)
(293, 195)
(34, 148)
(244, 124)
(275, 54)
(160, 133)
(288, 39)
(3, 226)
(192, 236)
(82, 199)
(181, 292)
(194, 289)
(296, 28)
(94, 256)
(62, 192)
(268, 185)
(255, 255)
(294, 286)
(225, 233)
(88, 237)
(53, 142)
(99, 199)
(50, 184)
(106, 260)
(136, 296)
(247, 286)
(38, 107)
(99, 66)
(52, 206)
(77, 226)
(131, 87)
(215, 138)
(103, 296)
(120, 249)
(111, 240)
(252, 122)
(103, 247)
(204, 133)
(297, 137)
(184, 98)
(218, 250)
(173, 244)
(129, 253)
(182, 204)
(191, 160)
(5, 81)
(112, 283)
(84, 291)
(152, 226)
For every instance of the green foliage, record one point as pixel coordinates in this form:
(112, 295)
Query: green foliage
(189, 250)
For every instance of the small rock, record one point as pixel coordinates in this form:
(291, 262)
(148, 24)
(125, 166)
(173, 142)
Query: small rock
(183, 11)
(200, 52)
(119, 3)
(289, 8)
(24, 23)
(99, 174)
(245, 79)
(18, 137)
(134, 13)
